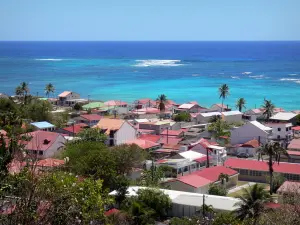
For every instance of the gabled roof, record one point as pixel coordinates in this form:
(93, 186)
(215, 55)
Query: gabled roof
(289, 187)
(115, 103)
(191, 155)
(291, 153)
(172, 132)
(76, 128)
(221, 106)
(145, 101)
(91, 117)
(210, 114)
(283, 116)
(194, 180)
(252, 143)
(109, 124)
(42, 125)
(186, 106)
(282, 167)
(150, 137)
(93, 105)
(64, 94)
(40, 140)
(170, 140)
(294, 144)
(260, 126)
(231, 113)
(296, 128)
(144, 144)
(213, 173)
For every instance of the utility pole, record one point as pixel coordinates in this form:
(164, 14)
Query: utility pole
(167, 135)
(203, 206)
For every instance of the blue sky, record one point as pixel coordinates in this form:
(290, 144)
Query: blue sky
(149, 20)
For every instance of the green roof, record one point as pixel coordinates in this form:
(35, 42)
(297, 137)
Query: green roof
(93, 105)
(105, 108)
(44, 99)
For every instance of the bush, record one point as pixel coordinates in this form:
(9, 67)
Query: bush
(77, 107)
(217, 190)
(184, 116)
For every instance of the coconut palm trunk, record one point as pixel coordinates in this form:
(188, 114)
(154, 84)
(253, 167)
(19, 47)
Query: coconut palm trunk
(271, 170)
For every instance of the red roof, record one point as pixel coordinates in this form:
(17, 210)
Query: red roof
(170, 140)
(172, 132)
(91, 117)
(144, 144)
(293, 152)
(289, 186)
(282, 167)
(222, 106)
(213, 173)
(146, 101)
(203, 159)
(150, 137)
(252, 143)
(76, 128)
(40, 140)
(194, 180)
(50, 162)
(115, 103)
(111, 211)
(294, 144)
(296, 128)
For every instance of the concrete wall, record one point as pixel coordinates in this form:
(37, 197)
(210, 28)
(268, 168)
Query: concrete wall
(55, 147)
(233, 118)
(248, 150)
(125, 133)
(179, 186)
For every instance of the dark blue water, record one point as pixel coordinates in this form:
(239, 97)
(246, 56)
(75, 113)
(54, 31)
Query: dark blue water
(184, 71)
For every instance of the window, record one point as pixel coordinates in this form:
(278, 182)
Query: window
(278, 136)
(41, 153)
(243, 172)
(279, 129)
(287, 129)
(290, 128)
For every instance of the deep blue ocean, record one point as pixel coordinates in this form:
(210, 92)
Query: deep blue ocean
(184, 71)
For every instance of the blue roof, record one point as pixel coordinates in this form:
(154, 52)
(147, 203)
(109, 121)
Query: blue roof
(42, 125)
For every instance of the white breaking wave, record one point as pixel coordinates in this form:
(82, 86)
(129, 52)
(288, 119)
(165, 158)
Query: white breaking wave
(247, 73)
(293, 74)
(233, 77)
(195, 75)
(289, 79)
(157, 62)
(50, 59)
(257, 76)
(298, 81)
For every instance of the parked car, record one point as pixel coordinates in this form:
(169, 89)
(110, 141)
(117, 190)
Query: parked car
(243, 155)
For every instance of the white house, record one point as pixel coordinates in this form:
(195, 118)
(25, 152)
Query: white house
(118, 131)
(43, 125)
(281, 131)
(249, 131)
(284, 117)
(43, 144)
(250, 147)
(219, 108)
(232, 116)
(144, 103)
(190, 108)
(217, 153)
(253, 114)
(206, 117)
(65, 97)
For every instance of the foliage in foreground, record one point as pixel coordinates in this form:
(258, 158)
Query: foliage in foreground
(217, 190)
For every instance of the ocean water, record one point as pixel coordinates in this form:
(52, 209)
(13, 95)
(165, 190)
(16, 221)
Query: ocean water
(184, 71)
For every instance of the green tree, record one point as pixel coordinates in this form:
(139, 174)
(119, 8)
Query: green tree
(49, 89)
(217, 190)
(224, 178)
(223, 92)
(154, 176)
(278, 180)
(219, 128)
(19, 91)
(240, 104)
(92, 135)
(252, 203)
(225, 218)
(77, 107)
(183, 116)
(37, 110)
(161, 102)
(298, 120)
(268, 108)
(273, 150)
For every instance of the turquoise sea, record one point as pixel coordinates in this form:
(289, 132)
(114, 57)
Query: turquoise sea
(184, 71)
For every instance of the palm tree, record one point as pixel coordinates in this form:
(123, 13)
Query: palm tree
(19, 91)
(224, 92)
(49, 88)
(268, 107)
(161, 102)
(25, 88)
(252, 202)
(273, 150)
(240, 104)
(223, 178)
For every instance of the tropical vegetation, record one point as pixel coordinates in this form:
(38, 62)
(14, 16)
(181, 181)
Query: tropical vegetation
(240, 104)
(268, 108)
(223, 93)
(49, 89)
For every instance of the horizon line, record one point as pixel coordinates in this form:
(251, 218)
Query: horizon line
(149, 40)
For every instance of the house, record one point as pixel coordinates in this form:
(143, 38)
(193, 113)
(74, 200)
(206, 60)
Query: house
(292, 157)
(208, 117)
(188, 204)
(199, 181)
(116, 103)
(281, 132)
(253, 114)
(258, 171)
(219, 108)
(43, 125)
(43, 144)
(73, 130)
(3, 96)
(93, 105)
(217, 153)
(284, 117)
(118, 131)
(232, 116)
(144, 103)
(144, 144)
(189, 108)
(65, 98)
(157, 126)
(249, 147)
(150, 137)
(249, 131)
(288, 191)
(172, 133)
(294, 145)
(89, 119)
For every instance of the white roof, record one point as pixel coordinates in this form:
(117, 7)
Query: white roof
(283, 116)
(186, 106)
(260, 126)
(142, 120)
(210, 114)
(191, 155)
(192, 199)
(216, 147)
(231, 113)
